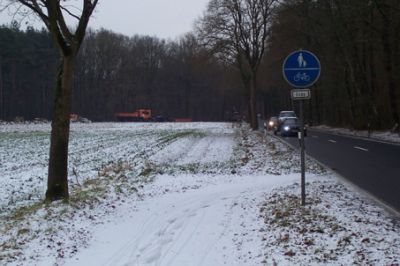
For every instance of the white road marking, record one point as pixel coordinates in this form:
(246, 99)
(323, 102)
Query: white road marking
(360, 148)
(333, 141)
(315, 137)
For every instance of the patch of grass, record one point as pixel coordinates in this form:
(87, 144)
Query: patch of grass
(9, 250)
(146, 172)
(50, 230)
(212, 167)
(7, 136)
(112, 175)
(92, 182)
(86, 195)
(22, 212)
(23, 231)
(11, 244)
(63, 211)
(187, 133)
(114, 169)
(191, 167)
(118, 189)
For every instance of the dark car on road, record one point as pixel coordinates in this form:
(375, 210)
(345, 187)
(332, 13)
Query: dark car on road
(291, 127)
(283, 115)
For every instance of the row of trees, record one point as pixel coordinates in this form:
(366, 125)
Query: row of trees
(116, 73)
(27, 67)
(358, 43)
(215, 71)
(174, 79)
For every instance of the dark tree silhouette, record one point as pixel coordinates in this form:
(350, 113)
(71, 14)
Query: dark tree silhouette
(238, 31)
(54, 14)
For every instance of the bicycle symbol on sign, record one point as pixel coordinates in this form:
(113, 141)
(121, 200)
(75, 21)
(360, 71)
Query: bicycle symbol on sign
(301, 76)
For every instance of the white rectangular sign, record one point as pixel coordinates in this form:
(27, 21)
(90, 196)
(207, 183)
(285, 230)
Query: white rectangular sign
(300, 94)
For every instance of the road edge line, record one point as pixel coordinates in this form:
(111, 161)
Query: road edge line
(355, 136)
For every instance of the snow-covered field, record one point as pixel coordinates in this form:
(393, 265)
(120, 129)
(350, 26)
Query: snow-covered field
(181, 194)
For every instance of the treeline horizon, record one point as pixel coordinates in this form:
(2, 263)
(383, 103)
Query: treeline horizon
(358, 44)
(116, 73)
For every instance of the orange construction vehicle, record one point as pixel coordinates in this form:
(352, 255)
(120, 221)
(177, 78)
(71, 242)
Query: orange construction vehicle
(138, 115)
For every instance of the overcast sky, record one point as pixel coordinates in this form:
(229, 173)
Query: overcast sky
(161, 18)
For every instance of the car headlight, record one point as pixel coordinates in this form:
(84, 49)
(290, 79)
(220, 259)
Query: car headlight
(286, 128)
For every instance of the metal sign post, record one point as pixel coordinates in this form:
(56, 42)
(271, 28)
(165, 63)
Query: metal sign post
(302, 156)
(301, 69)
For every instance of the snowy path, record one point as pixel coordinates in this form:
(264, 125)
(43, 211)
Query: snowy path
(198, 227)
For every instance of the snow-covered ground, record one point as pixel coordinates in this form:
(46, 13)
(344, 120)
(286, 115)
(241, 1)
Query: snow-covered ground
(181, 194)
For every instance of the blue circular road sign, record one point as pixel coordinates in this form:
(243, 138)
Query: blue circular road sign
(301, 69)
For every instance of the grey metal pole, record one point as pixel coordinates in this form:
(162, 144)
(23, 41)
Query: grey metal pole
(302, 151)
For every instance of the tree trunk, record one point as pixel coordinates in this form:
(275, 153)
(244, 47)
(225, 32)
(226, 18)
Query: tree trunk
(14, 111)
(252, 102)
(1, 92)
(57, 183)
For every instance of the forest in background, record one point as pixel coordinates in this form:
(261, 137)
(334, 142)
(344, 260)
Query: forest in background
(357, 42)
(116, 73)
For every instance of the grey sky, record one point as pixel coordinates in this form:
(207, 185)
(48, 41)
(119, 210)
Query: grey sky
(161, 18)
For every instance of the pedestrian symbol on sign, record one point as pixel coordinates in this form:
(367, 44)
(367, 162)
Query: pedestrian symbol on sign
(301, 61)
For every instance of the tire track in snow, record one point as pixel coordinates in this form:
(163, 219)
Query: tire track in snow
(210, 149)
(158, 232)
(195, 228)
(196, 153)
(176, 151)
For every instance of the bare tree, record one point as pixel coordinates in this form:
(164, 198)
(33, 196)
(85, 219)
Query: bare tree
(237, 31)
(54, 14)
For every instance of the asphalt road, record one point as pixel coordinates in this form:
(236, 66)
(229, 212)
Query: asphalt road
(373, 166)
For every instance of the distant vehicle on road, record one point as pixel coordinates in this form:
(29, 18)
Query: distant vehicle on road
(77, 118)
(291, 127)
(160, 118)
(283, 115)
(271, 124)
(141, 115)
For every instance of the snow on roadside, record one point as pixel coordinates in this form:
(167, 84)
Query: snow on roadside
(336, 227)
(185, 194)
(376, 135)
